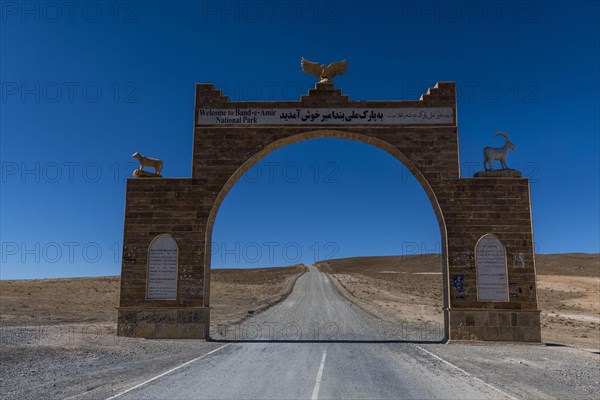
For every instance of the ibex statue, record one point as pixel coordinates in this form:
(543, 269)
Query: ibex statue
(148, 162)
(497, 153)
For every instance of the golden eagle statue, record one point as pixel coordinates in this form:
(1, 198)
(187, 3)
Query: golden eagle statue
(324, 73)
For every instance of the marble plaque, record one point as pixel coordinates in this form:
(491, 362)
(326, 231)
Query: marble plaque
(163, 256)
(326, 116)
(490, 263)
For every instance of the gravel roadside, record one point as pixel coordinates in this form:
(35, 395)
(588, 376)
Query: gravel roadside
(527, 371)
(83, 360)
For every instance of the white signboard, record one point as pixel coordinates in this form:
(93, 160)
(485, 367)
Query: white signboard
(326, 116)
(162, 268)
(490, 263)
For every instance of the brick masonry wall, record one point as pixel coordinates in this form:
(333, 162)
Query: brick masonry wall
(477, 206)
(466, 208)
(155, 206)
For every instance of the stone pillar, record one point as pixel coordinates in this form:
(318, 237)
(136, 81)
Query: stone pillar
(156, 206)
(472, 208)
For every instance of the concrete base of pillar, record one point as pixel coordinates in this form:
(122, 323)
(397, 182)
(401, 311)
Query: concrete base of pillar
(494, 325)
(164, 323)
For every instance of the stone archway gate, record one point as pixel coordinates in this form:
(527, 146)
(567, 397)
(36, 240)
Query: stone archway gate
(485, 222)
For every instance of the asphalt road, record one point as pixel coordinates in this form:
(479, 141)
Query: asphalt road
(316, 345)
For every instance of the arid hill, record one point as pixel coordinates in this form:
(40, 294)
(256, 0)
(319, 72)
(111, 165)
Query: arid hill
(394, 288)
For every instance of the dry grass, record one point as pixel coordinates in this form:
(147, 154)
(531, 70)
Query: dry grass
(59, 300)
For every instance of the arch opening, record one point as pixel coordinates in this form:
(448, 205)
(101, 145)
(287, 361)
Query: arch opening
(353, 137)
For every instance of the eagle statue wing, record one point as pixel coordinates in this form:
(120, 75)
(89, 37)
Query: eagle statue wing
(336, 68)
(312, 68)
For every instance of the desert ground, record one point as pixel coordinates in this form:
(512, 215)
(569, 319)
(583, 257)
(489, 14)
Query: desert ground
(409, 288)
(238, 294)
(57, 335)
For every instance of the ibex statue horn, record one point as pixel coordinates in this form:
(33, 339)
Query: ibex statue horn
(502, 133)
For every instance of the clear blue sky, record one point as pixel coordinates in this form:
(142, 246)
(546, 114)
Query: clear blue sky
(84, 85)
